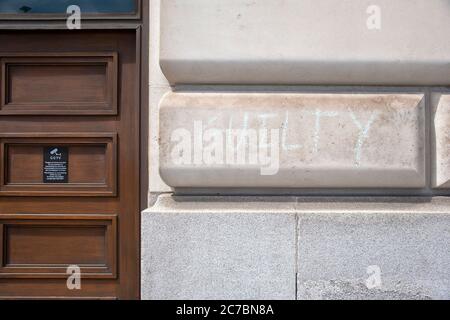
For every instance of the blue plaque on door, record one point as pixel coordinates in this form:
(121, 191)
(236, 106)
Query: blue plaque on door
(56, 164)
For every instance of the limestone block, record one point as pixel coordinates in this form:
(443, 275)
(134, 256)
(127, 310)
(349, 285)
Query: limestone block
(288, 140)
(441, 140)
(194, 252)
(156, 185)
(374, 255)
(401, 42)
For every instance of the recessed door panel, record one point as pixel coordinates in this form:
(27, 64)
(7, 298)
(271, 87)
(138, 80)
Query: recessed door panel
(33, 165)
(59, 83)
(44, 246)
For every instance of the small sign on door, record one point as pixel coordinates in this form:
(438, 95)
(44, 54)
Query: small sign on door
(56, 165)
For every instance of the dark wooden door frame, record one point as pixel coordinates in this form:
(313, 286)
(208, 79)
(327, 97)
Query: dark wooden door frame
(140, 24)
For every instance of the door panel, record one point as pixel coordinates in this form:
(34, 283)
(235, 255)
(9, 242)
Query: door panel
(59, 83)
(69, 164)
(89, 241)
(92, 165)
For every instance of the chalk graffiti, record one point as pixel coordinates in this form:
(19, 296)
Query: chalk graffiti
(362, 136)
(241, 142)
(363, 129)
(285, 127)
(318, 115)
(256, 147)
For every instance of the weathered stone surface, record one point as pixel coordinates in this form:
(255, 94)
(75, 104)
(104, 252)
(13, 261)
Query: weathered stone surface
(206, 254)
(441, 140)
(158, 87)
(401, 42)
(252, 247)
(155, 181)
(374, 255)
(286, 140)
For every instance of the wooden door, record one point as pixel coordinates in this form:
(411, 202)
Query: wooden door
(69, 164)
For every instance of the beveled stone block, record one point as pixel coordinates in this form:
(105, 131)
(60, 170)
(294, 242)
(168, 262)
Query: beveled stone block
(288, 140)
(441, 141)
(308, 42)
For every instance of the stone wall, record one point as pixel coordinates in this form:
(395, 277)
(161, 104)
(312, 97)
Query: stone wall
(296, 248)
(268, 102)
